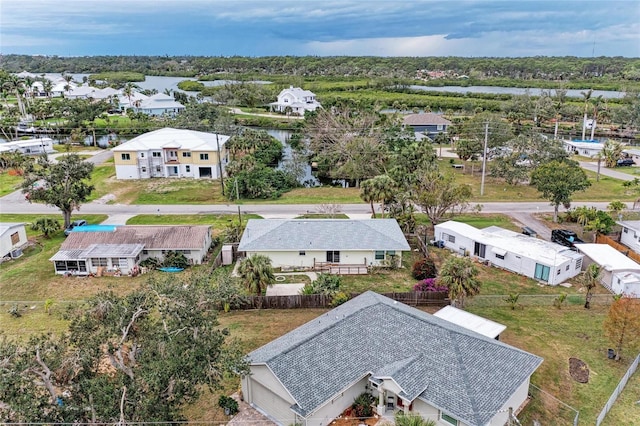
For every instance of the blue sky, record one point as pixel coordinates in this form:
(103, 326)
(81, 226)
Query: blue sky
(322, 28)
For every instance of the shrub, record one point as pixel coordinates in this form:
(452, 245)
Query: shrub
(327, 284)
(228, 404)
(361, 406)
(175, 259)
(339, 298)
(424, 268)
(429, 284)
(150, 262)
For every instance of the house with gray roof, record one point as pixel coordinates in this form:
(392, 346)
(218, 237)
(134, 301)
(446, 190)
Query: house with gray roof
(408, 360)
(427, 124)
(306, 243)
(120, 249)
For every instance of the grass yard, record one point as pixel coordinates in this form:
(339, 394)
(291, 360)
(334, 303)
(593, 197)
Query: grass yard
(217, 221)
(556, 335)
(9, 183)
(479, 220)
(626, 410)
(319, 195)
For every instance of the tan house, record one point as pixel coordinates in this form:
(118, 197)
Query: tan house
(122, 248)
(13, 237)
(406, 359)
(168, 153)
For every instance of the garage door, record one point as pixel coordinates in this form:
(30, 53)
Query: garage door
(270, 403)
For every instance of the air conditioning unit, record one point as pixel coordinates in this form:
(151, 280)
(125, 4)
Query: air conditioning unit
(16, 253)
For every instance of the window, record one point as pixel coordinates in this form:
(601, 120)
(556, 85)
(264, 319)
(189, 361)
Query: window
(439, 127)
(626, 230)
(558, 273)
(448, 419)
(187, 169)
(158, 169)
(142, 155)
(379, 255)
(145, 251)
(186, 154)
(542, 272)
(391, 253)
(302, 253)
(578, 264)
(333, 256)
(144, 170)
(450, 238)
(479, 250)
(99, 261)
(15, 238)
(204, 156)
(499, 256)
(173, 153)
(567, 268)
(125, 156)
(156, 154)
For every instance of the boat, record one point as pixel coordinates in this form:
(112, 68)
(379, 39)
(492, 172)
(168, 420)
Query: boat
(170, 269)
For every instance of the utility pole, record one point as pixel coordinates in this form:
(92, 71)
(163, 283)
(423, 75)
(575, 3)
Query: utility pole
(220, 163)
(484, 157)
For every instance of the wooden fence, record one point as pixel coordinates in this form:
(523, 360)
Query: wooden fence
(414, 298)
(603, 239)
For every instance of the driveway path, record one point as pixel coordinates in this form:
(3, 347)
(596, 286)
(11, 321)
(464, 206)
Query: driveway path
(528, 219)
(604, 171)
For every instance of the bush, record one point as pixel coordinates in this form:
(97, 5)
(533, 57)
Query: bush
(361, 406)
(150, 262)
(175, 259)
(424, 268)
(339, 298)
(228, 404)
(429, 284)
(328, 284)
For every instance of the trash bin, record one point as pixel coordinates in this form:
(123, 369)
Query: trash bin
(611, 354)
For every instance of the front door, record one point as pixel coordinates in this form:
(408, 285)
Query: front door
(333, 257)
(479, 250)
(542, 272)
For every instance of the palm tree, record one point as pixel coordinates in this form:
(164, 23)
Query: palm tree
(128, 91)
(46, 225)
(256, 273)
(599, 156)
(615, 207)
(586, 96)
(459, 274)
(412, 419)
(612, 151)
(380, 188)
(589, 280)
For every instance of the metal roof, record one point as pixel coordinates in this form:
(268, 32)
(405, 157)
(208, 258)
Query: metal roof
(471, 321)
(608, 257)
(450, 367)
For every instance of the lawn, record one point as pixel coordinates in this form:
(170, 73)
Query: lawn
(9, 183)
(556, 335)
(217, 221)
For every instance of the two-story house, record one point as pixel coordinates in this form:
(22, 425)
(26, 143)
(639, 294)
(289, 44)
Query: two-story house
(158, 105)
(171, 152)
(295, 100)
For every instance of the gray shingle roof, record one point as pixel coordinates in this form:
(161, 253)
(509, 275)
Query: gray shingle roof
(425, 119)
(322, 234)
(454, 369)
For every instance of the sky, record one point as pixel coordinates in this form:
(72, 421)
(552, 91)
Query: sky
(508, 28)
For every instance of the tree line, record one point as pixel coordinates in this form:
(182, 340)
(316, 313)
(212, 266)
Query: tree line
(527, 68)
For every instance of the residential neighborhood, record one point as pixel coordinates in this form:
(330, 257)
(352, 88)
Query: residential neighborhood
(315, 250)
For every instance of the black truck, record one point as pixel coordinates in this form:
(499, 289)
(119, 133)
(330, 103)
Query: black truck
(565, 237)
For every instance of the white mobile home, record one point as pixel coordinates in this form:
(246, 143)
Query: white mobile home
(620, 274)
(630, 235)
(584, 148)
(544, 261)
(12, 237)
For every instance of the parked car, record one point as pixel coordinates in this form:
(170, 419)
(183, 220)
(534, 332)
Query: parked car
(565, 237)
(528, 231)
(625, 162)
(74, 224)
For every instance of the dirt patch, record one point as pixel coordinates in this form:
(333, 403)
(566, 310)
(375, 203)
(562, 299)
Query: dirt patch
(347, 419)
(578, 370)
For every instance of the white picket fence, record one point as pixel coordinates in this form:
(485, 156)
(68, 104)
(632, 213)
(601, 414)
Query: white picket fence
(618, 390)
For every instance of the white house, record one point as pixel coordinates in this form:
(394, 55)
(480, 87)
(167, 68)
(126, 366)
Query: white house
(171, 153)
(630, 235)
(122, 248)
(29, 146)
(308, 243)
(13, 237)
(620, 274)
(584, 148)
(519, 253)
(406, 359)
(127, 102)
(158, 105)
(296, 101)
